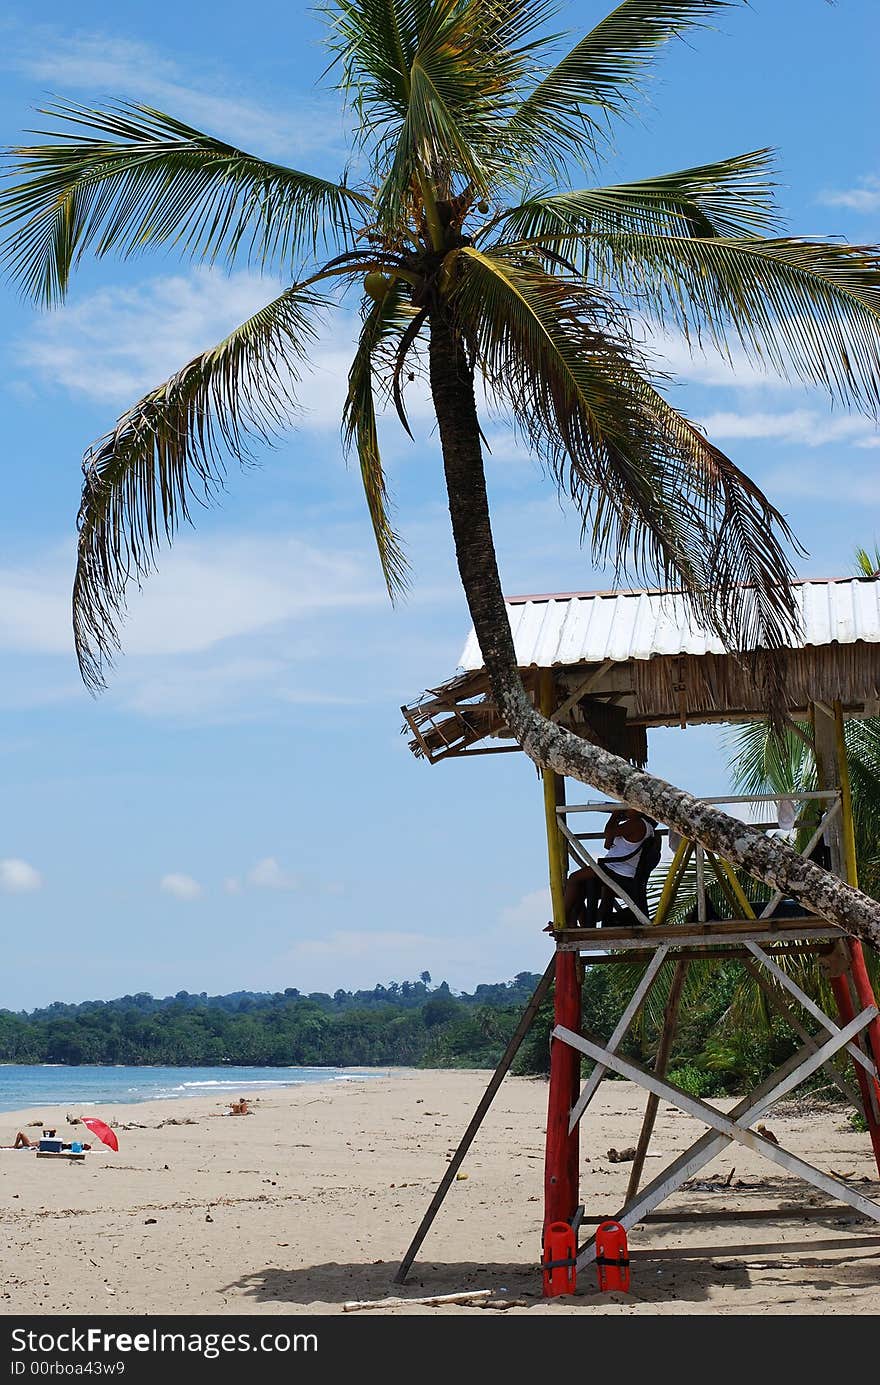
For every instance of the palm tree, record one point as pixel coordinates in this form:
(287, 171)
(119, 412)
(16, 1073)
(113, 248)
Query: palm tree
(476, 250)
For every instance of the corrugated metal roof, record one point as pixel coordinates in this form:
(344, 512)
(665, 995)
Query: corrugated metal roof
(590, 627)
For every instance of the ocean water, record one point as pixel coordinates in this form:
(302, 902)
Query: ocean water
(51, 1085)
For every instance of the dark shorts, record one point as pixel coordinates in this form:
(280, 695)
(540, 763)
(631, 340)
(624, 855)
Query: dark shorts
(626, 882)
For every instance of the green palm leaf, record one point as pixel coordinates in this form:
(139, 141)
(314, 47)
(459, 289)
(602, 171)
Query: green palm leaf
(770, 760)
(801, 308)
(168, 451)
(383, 321)
(732, 197)
(432, 84)
(566, 112)
(131, 177)
(647, 483)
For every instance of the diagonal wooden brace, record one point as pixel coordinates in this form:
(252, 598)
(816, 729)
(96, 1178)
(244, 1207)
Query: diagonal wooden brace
(592, 1083)
(704, 1150)
(809, 1005)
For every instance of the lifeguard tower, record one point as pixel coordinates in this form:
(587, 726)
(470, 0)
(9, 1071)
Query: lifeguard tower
(609, 666)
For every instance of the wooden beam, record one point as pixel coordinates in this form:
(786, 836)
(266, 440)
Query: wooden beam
(555, 856)
(727, 954)
(792, 1072)
(664, 1049)
(581, 690)
(733, 931)
(783, 1009)
(477, 1119)
(592, 1083)
(808, 1004)
(731, 1128)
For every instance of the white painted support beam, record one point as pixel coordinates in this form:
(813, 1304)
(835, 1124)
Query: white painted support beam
(809, 1005)
(592, 1083)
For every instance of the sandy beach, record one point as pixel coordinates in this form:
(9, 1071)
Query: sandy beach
(313, 1199)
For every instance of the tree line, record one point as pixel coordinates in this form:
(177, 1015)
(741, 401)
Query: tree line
(718, 1049)
(407, 1022)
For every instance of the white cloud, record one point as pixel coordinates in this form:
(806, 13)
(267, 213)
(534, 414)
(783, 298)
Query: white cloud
(806, 427)
(368, 956)
(705, 365)
(224, 587)
(180, 886)
(35, 606)
(847, 485)
(268, 875)
(18, 877)
(117, 343)
(865, 197)
(211, 99)
(399, 946)
(206, 591)
(527, 914)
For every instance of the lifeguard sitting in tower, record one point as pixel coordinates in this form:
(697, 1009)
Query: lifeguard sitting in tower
(632, 850)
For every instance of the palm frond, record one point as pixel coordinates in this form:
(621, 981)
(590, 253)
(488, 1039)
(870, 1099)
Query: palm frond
(432, 82)
(567, 112)
(374, 43)
(732, 197)
(803, 309)
(654, 495)
(168, 451)
(130, 177)
(765, 759)
(387, 318)
(868, 564)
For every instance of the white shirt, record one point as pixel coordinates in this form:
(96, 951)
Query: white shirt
(620, 847)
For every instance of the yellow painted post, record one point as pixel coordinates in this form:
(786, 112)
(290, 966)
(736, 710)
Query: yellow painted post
(846, 809)
(670, 884)
(736, 887)
(556, 853)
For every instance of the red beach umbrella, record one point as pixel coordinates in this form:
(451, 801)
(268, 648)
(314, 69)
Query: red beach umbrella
(102, 1131)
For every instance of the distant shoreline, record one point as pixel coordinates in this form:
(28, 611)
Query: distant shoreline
(60, 1087)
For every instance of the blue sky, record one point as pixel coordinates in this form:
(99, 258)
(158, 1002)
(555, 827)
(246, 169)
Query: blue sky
(240, 809)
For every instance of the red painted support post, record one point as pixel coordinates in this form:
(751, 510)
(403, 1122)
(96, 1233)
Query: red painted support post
(865, 992)
(846, 1012)
(833, 765)
(561, 1160)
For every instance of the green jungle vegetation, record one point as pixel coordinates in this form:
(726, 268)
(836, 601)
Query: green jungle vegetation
(410, 1023)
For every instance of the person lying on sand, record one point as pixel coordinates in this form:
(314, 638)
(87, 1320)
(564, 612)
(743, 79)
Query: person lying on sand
(23, 1142)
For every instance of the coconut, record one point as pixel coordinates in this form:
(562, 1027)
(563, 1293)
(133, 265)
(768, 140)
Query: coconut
(377, 285)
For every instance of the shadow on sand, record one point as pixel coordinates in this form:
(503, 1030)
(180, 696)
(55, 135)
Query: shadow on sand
(659, 1275)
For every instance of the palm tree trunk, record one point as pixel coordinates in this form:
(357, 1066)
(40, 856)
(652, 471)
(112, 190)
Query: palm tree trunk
(551, 746)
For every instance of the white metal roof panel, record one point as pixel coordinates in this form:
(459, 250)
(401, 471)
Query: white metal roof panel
(590, 627)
